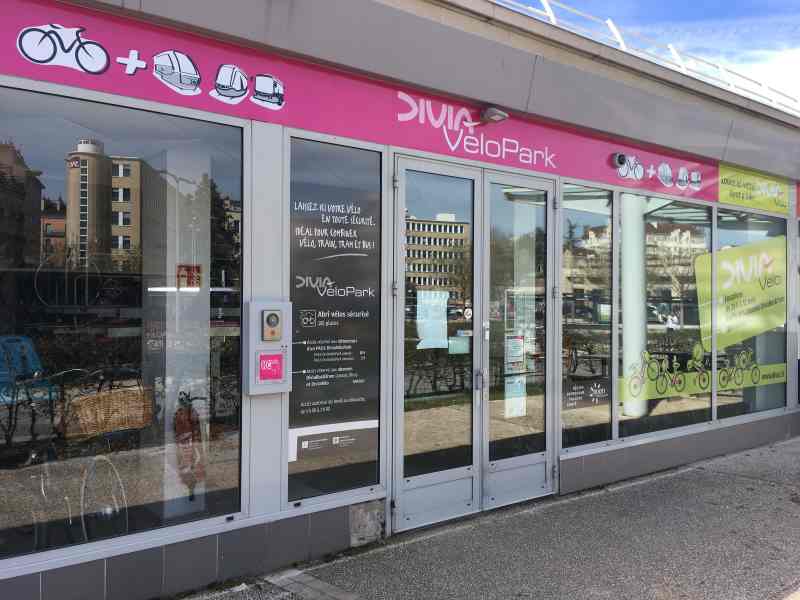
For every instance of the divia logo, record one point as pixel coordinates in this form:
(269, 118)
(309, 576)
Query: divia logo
(458, 126)
(316, 282)
(325, 286)
(746, 269)
(449, 117)
(773, 191)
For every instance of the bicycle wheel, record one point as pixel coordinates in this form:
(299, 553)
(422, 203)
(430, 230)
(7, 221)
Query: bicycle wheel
(104, 505)
(755, 375)
(724, 378)
(653, 369)
(738, 377)
(703, 380)
(635, 386)
(36, 45)
(679, 382)
(91, 57)
(662, 384)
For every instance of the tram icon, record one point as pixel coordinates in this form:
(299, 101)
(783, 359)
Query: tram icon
(177, 71)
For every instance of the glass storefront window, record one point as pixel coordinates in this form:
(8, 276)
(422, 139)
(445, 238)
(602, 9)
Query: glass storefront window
(586, 282)
(517, 317)
(751, 313)
(119, 361)
(665, 360)
(334, 406)
(438, 324)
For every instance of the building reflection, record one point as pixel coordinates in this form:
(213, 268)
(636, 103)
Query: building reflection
(20, 209)
(438, 257)
(85, 277)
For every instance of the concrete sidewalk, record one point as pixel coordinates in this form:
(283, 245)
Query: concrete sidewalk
(728, 528)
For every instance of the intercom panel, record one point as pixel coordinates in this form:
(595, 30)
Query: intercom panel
(269, 347)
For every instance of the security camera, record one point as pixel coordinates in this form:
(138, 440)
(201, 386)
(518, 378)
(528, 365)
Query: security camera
(492, 114)
(618, 159)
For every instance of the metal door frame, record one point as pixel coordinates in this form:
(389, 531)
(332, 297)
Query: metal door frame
(403, 485)
(494, 495)
(482, 176)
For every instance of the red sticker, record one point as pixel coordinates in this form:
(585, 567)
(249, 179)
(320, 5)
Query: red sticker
(270, 367)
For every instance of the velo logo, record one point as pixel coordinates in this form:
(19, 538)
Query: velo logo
(325, 286)
(458, 126)
(62, 46)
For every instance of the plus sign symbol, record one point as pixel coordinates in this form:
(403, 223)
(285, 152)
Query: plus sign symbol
(132, 62)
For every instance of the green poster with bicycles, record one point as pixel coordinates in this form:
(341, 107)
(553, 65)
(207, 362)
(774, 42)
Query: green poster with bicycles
(653, 378)
(751, 291)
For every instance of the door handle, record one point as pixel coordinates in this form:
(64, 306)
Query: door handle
(479, 380)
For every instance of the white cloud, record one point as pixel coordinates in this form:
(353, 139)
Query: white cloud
(766, 49)
(777, 69)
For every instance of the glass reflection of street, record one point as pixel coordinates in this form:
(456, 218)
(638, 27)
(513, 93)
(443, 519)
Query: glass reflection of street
(119, 321)
(586, 278)
(439, 323)
(663, 361)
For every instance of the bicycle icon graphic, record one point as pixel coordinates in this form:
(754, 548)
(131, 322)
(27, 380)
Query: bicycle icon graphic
(650, 369)
(742, 363)
(632, 169)
(62, 46)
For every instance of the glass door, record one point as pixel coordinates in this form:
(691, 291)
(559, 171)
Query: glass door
(473, 419)
(517, 412)
(439, 377)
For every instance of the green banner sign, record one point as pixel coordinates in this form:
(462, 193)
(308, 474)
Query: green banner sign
(751, 291)
(752, 189)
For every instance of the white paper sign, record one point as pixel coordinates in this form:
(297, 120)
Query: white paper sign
(432, 319)
(515, 397)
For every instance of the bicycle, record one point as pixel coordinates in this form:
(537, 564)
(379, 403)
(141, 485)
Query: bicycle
(632, 169)
(742, 362)
(64, 46)
(649, 367)
(675, 379)
(697, 364)
(745, 360)
(101, 501)
(21, 384)
(75, 487)
(572, 356)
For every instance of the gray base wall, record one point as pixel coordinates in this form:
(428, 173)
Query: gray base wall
(198, 563)
(195, 564)
(595, 470)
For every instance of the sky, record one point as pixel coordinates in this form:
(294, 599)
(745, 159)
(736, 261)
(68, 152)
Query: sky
(758, 38)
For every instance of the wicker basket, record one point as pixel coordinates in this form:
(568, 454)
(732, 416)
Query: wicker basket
(109, 410)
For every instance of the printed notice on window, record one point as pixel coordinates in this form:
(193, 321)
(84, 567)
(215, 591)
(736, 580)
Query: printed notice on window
(335, 278)
(432, 319)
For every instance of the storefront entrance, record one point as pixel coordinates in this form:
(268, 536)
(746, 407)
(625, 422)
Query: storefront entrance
(473, 392)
